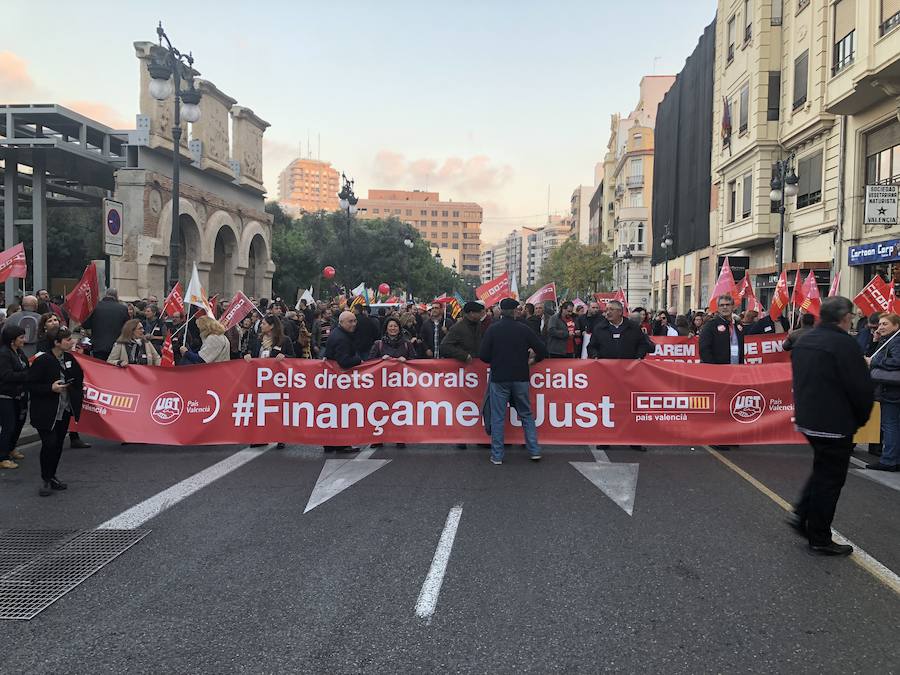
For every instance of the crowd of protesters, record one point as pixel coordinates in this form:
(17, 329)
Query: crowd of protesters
(37, 371)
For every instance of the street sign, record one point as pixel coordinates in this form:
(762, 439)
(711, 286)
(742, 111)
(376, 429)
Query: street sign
(113, 217)
(881, 205)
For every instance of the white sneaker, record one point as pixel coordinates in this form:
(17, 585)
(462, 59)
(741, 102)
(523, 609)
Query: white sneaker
(496, 461)
(536, 458)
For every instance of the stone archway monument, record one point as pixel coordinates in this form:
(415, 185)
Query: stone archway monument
(221, 201)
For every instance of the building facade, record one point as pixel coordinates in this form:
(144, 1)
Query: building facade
(580, 212)
(626, 225)
(308, 186)
(453, 228)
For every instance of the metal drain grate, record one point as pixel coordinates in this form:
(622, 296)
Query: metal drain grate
(49, 567)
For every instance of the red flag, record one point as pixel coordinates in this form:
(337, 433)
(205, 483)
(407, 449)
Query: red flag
(443, 299)
(174, 301)
(84, 297)
(746, 293)
(168, 356)
(213, 303)
(893, 302)
(873, 299)
(13, 263)
(833, 291)
(620, 296)
(494, 290)
(799, 296)
(813, 301)
(781, 299)
(543, 294)
(239, 307)
(724, 285)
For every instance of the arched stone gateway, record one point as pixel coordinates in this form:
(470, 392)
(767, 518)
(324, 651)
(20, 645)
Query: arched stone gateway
(221, 205)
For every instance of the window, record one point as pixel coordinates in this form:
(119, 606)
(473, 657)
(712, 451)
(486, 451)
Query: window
(703, 273)
(747, 197)
(456, 235)
(444, 214)
(423, 212)
(732, 201)
(777, 10)
(731, 24)
(397, 212)
(456, 214)
(409, 212)
(434, 223)
(890, 15)
(636, 199)
(745, 107)
(748, 20)
(434, 213)
(883, 155)
(801, 73)
(809, 170)
(456, 246)
(844, 35)
(773, 111)
(445, 235)
(373, 210)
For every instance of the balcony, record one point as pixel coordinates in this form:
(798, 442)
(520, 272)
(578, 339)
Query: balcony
(635, 181)
(632, 213)
(865, 68)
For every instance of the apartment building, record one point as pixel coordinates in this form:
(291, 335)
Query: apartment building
(524, 250)
(452, 228)
(307, 186)
(626, 225)
(580, 212)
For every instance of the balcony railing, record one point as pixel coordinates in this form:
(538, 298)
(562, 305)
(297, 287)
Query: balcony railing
(890, 24)
(634, 181)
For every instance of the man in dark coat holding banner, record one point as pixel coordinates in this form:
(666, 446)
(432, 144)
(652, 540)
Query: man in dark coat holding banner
(833, 397)
(722, 338)
(341, 348)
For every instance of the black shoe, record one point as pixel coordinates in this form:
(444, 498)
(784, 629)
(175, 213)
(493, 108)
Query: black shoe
(484, 445)
(280, 446)
(461, 446)
(831, 548)
(878, 466)
(798, 525)
(257, 445)
(602, 447)
(375, 445)
(46, 489)
(638, 447)
(721, 448)
(56, 484)
(78, 444)
(401, 445)
(329, 448)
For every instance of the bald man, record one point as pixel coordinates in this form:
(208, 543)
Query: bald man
(27, 320)
(340, 348)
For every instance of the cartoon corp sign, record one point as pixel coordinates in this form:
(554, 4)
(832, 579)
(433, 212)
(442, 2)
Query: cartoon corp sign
(314, 402)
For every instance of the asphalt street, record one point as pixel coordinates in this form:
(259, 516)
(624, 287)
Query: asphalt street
(546, 573)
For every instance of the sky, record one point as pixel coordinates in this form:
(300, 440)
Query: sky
(491, 101)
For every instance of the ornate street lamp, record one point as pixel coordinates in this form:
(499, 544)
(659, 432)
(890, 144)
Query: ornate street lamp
(347, 200)
(667, 242)
(408, 245)
(170, 69)
(627, 256)
(783, 185)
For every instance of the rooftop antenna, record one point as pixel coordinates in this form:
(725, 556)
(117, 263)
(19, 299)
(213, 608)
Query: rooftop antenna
(655, 59)
(319, 147)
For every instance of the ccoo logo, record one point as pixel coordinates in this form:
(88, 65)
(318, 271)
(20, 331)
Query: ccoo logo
(167, 408)
(747, 406)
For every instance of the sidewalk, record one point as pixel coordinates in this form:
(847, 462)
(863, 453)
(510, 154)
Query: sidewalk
(28, 435)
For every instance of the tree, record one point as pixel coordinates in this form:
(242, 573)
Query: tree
(580, 268)
(360, 250)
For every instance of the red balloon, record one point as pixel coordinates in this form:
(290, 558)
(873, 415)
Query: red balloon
(328, 272)
(384, 289)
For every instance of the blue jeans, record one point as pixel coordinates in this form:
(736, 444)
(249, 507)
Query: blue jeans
(516, 395)
(890, 434)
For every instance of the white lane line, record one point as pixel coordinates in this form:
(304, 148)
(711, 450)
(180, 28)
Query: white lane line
(139, 514)
(431, 588)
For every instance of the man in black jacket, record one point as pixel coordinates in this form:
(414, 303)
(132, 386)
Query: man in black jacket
(508, 346)
(833, 396)
(367, 331)
(722, 338)
(432, 332)
(105, 324)
(618, 337)
(341, 348)
(463, 340)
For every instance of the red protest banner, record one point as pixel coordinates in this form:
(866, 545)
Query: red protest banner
(174, 302)
(13, 263)
(543, 294)
(314, 402)
(873, 299)
(781, 298)
(494, 290)
(764, 349)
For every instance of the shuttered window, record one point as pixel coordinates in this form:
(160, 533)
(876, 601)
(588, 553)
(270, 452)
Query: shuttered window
(747, 201)
(774, 106)
(844, 35)
(745, 107)
(809, 170)
(801, 76)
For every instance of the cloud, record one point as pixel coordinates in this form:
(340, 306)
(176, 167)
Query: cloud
(459, 177)
(15, 82)
(101, 113)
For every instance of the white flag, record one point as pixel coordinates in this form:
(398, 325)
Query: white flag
(359, 290)
(308, 296)
(196, 294)
(514, 288)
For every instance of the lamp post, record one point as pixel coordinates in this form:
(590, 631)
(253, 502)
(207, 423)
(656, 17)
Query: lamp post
(627, 258)
(666, 244)
(347, 200)
(408, 245)
(783, 185)
(168, 69)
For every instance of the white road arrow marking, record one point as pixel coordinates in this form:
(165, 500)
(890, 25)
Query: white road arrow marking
(339, 474)
(616, 481)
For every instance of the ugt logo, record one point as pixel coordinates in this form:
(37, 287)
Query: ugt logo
(747, 406)
(167, 407)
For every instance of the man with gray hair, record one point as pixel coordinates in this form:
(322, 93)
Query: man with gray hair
(833, 397)
(618, 337)
(722, 338)
(105, 324)
(341, 348)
